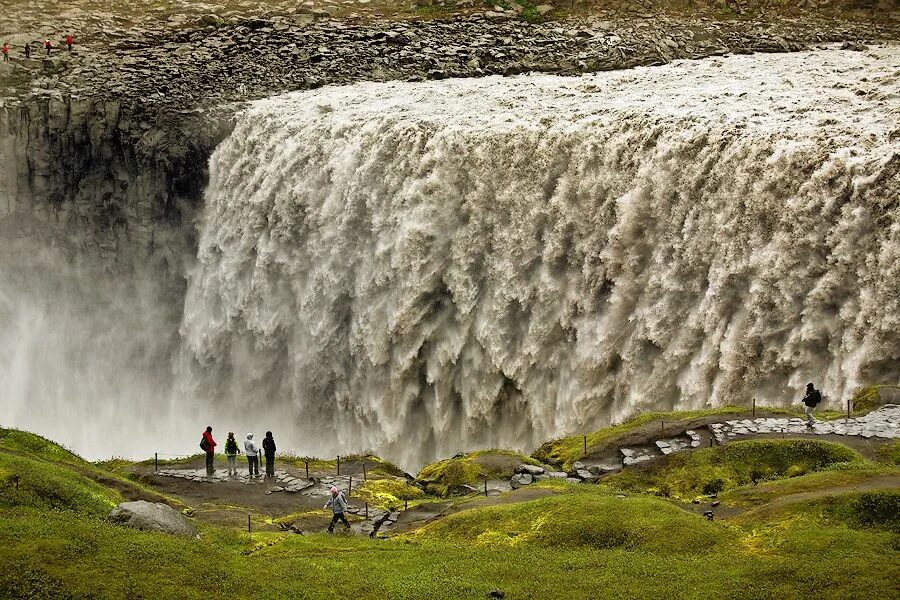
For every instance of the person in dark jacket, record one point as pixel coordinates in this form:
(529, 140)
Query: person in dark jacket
(810, 401)
(208, 444)
(231, 453)
(269, 451)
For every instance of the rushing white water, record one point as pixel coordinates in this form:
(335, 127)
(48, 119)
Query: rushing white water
(421, 268)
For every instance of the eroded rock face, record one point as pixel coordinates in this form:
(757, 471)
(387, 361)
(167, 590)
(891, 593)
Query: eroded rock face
(152, 516)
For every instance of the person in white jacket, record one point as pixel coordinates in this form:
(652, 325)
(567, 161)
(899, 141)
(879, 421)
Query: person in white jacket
(338, 504)
(252, 452)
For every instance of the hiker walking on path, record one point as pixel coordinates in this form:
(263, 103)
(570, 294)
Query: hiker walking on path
(810, 401)
(5, 51)
(231, 452)
(48, 45)
(208, 444)
(70, 41)
(269, 451)
(338, 504)
(252, 452)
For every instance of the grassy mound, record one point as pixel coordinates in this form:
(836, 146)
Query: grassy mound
(890, 453)
(715, 470)
(565, 451)
(23, 442)
(836, 477)
(449, 476)
(392, 494)
(870, 397)
(582, 518)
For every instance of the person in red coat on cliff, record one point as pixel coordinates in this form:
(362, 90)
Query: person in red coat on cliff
(70, 41)
(208, 444)
(5, 50)
(48, 45)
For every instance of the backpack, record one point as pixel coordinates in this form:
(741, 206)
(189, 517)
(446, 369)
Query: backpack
(204, 445)
(816, 397)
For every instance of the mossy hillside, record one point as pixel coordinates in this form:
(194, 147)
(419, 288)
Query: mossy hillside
(890, 453)
(714, 470)
(449, 476)
(52, 486)
(586, 518)
(875, 509)
(870, 397)
(565, 451)
(392, 494)
(24, 442)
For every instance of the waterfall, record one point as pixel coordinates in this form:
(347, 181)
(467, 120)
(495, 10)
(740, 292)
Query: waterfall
(421, 268)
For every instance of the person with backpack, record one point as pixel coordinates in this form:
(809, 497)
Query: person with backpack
(208, 445)
(269, 450)
(252, 452)
(810, 401)
(231, 452)
(338, 505)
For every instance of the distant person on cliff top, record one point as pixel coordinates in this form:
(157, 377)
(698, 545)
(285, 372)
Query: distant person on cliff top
(28, 50)
(252, 452)
(48, 45)
(5, 51)
(231, 452)
(810, 401)
(338, 505)
(269, 451)
(70, 41)
(208, 444)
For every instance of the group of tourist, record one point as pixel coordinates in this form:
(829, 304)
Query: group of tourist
(251, 451)
(337, 502)
(69, 41)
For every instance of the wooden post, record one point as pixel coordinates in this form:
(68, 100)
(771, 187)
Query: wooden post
(367, 510)
(307, 469)
(350, 487)
(406, 505)
(485, 486)
(155, 462)
(585, 445)
(754, 408)
(339, 465)
(662, 427)
(848, 411)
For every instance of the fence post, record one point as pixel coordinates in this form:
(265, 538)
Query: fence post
(406, 504)
(350, 488)
(339, 464)
(485, 486)
(155, 462)
(367, 510)
(848, 411)
(307, 469)
(662, 427)
(754, 408)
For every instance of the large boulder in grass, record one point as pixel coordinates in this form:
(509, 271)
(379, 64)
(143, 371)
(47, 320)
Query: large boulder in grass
(152, 516)
(530, 469)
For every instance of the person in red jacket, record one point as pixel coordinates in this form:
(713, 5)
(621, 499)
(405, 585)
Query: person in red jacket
(47, 46)
(209, 446)
(70, 41)
(5, 51)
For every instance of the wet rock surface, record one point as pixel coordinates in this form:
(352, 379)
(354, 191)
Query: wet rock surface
(217, 61)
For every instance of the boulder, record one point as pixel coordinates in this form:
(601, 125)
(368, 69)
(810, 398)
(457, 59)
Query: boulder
(557, 475)
(530, 469)
(585, 475)
(152, 516)
(519, 480)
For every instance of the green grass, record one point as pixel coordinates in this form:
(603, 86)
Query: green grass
(565, 451)
(447, 477)
(890, 453)
(714, 470)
